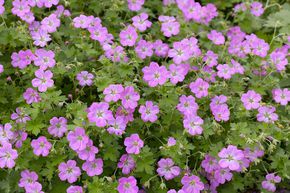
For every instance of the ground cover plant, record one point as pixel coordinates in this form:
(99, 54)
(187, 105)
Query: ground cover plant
(144, 96)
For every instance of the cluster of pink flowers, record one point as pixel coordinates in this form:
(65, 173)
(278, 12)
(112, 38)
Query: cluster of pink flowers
(22, 59)
(251, 100)
(8, 137)
(43, 59)
(29, 181)
(191, 121)
(115, 120)
(195, 11)
(84, 147)
(231, 159)
(40, 31)
(7, 153)
(256, 8)
(242, 44)
(219, 108)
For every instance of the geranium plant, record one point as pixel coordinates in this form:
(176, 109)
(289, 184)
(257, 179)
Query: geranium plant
(135, 96)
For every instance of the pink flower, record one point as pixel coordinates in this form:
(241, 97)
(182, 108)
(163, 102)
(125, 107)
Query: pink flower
(130, 98)
(81, 22)
(19, 137)
(117, 126)
(78, 139)
(7, 156)
(41, 146)
(69, 171)
(43, 80)
(140, 22)
(230, 157)
(209, 164)
(179, 53)
(44, 59)
(31, 96)
(216, 37)
(267, 114)
(223, 175)
(126, 163)
(279, 59)
(89, 152)
(20, 8)
(144, 49)
(58, 126)
(178, 72)
(225, 71)
(93, 168)
(99, 114)
(113, 92)
(133, 144)
(193, 125)
(192, 184)
(74, 189)
(50, 3)
(1, 68)
(27, 178)
(187, 105)
(34, 188)
(85, 78)
(167, 169)
(171, 141)
(20, 116)
(281, 96)
(155, 75)
(128, 36)
(40, 37)
(6, 134)
(252, 155)
(98, 33)
(251, 100)
(257, 8)
(160, 48)
(210, 58)
(125, 113)
(169, 27)
(135, 5)
(271, 180)
(199, 87)
(149, 112)
(50, 23)
(221, 112)
(22, 59)
(127, 185)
